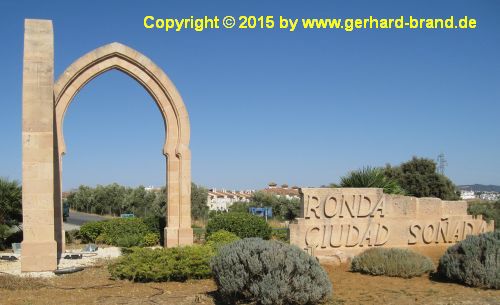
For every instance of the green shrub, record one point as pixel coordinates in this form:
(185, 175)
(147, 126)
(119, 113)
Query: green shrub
(4, 233)
(242, 224)
(269, 272)
(68, 238)
(101, 239)
(280, 234)
(121, 232)
(160, 265)
(151, 239)
(489, 210)
(91, 230)
(155, 224)
(418, 177)
(72, 235)
(221, 238)
(391, 262)
(474, 261)
(125, 232)
(127, 241)
(14, 237)
(10, 202)
(199, 234)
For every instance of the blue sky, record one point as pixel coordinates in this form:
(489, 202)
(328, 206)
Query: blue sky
(301, 108)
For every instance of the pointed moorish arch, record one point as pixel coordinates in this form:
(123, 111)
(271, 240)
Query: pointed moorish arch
(177, 130)
(45, 103)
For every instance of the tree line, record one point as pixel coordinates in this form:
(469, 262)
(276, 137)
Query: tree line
(115, 199)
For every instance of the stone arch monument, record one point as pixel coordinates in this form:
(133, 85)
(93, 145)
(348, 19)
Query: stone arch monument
(44, 106)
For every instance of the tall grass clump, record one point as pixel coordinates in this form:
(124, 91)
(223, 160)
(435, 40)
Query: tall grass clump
(371, 177)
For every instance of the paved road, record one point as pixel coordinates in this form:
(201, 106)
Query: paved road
(76, 219)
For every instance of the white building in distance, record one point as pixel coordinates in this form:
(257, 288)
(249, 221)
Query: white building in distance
(152, 188)
(221, 199)
(490, 196)
(282, 191)
(464, 195)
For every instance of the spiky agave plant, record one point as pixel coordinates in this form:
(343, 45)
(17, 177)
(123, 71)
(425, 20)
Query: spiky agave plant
(371, 177)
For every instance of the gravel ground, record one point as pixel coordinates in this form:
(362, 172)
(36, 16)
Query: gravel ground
(88, 259)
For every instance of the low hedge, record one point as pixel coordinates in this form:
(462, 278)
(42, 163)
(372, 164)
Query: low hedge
(161, 265)
(475, 261)
(392, 262)
(121, 232)
(280, 234)
(91, 230)
(244, 225)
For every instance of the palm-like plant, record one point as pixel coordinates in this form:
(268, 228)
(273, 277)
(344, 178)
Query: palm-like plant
(371, 177)
(10, 208)
(10, 202)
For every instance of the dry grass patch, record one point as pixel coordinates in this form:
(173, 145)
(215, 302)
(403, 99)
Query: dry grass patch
(12, 282)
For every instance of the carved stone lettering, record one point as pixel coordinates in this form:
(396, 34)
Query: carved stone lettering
(442, 231)
(365, 205)
(349, 220)
(336, 236)
(414, 231)
(352, 236)
(330, 208)
(311, 237)
(347, 207)
(313, 206)
(382, 235)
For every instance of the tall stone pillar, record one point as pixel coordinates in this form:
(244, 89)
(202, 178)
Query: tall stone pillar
(39, 248)
(185, 230)
(178, 231)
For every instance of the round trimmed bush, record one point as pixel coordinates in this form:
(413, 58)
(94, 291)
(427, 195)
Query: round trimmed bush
(392, 262)
(151, 239)
(242, 224)
(269, 272)
(91, 230)
(475, 261)
(221, 238)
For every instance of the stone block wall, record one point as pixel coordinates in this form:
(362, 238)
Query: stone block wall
(347, 221)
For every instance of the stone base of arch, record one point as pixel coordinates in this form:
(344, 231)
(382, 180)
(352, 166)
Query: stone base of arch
(38, 256)
(175, 237)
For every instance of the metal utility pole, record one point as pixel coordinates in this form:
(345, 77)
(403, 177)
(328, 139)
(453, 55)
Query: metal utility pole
(441, 163)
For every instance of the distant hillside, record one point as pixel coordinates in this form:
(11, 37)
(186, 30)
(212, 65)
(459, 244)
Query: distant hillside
(480, 188)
